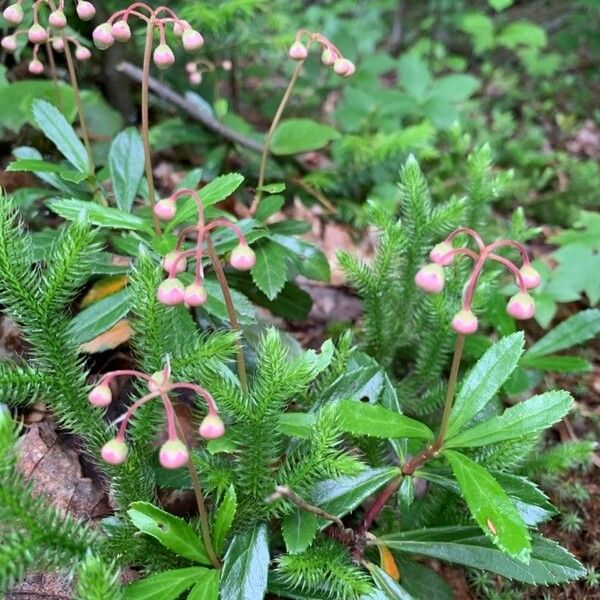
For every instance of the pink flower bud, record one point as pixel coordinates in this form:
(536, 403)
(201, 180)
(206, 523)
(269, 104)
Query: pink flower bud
(298, 51)
(85, 10)
(531, 278)
(191, 67)
(328, 57)
(114, 452)
(195, 295)
(102, 36)
(195, 78)
(37, 34)
(36, 67)
(120, 31)
(156, 381)
(57, 19)
(170, 292)
(13, 14)
(100, 395)
(163, 56)
(212, 427)
(440, 254)
(169, 260)
(430, 278)
(242, 257)
(227, 65)
(58, 44)
(82, 53)
(173, 454)
(180, 27)
(9, 43)
(521, 306)
(192, 40)
(464, 322)
(165, 209)
(344, 67)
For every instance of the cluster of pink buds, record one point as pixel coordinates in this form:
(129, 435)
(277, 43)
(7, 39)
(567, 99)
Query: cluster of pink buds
(173, 453)
(330, 55)
(430, 278)
(52, 33)
(171, 291)
(117, 29)
(195, 69)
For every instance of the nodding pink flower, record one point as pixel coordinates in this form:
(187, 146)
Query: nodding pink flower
(36, 67)
(163, 56)
(242, 257)
(165, 209)
(57, 19)
(121, 31)
(464, 322)
(82, 53)
(441, 254)
(328, 57)
(195, 78)
(37, 34)
(180, 27)
(521, 306)
(58, 44)
(171, 292)
(531, 278)
(85, 10)
(103, 37)
(173, 260)
(114, 452)
(298, 51)
(195, 295)
(344, 67)
(13, 14)
(100, 395)
(173, 453)
(191, 67)
(192, 40)
(212, 427)
(430, 278)
(9, 43)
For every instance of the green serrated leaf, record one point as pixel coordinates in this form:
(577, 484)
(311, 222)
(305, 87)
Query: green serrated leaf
(485, 379)
(167, 585)
(270, 271)
(307, 258)
(299, 529)
(491, 507)
(41, 166)
(391, 589)
(360, 418)
(558, 363)
(297, 424)
(549, 563)
(272, 188)
(522, 419)
(57, 129)
(171, 531)
(207, 587)
(268, 207)
(246, 566)
(294, 136)
(224, 519)
(126, 165)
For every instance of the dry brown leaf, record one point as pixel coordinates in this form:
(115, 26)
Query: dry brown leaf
(118, 334)
(103, 288)
(42, 586)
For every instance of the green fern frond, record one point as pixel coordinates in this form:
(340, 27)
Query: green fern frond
(507, 455)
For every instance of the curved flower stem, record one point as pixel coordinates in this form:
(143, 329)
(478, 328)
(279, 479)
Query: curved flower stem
(216, 263)
(266, 147)
(145, 123)
(201, 505)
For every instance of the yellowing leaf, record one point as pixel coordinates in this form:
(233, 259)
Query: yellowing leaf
(388, 563)
(118, 334)
(103, 288)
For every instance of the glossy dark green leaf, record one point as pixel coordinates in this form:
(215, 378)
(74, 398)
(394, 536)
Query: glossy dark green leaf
(32, 165)
(342, 495)
(297, 424)
(268, 207)
(167, 585)
(126, 164)
(215, 305)
(171, 531)
(99, 317)
(299, 529)
(207, 587)
(224, 516)
(422, 582)
(270, 271)
(549, 563)
(491, 507)
(523, 418)
(307, 258)
(294, 136)
(246, 565)
(57, 129)
(485, 379)
(360, 418)
(391, 588)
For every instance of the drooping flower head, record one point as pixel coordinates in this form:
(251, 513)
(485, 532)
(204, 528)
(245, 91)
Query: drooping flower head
(430, 278)
(173, 453)
(171, 291)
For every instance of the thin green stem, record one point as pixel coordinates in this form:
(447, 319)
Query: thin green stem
(216, 263)
(267, 145)
(145, 122)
